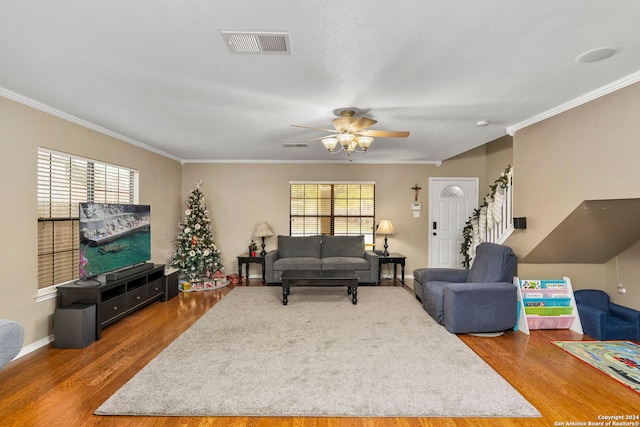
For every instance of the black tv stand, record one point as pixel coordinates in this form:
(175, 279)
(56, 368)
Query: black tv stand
(116, 299)
(129, 271)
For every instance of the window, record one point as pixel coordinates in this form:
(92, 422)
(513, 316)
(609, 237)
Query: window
(453, 191)
(339, 209)
(64, 181)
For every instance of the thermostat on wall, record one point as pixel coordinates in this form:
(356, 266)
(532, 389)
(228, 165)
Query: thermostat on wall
(416, 206)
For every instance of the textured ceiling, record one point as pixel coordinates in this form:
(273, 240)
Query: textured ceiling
(158, 73)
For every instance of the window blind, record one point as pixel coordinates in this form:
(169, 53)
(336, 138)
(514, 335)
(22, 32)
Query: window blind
(65, 180)
(340, 209)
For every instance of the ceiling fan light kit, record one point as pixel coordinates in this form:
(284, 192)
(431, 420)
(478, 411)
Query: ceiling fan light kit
(348, 142)
(352, 136)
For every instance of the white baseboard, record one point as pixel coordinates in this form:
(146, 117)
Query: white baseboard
(34, 346)
(384, 276)
(390, 276)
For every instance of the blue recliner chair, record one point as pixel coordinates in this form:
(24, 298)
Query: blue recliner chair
(481, 299)
(603, 320)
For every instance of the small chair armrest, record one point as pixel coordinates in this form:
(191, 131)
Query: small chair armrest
(626, 313)
(453, 275)
(593, 321)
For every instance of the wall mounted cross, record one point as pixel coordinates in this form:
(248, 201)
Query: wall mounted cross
(416, 189)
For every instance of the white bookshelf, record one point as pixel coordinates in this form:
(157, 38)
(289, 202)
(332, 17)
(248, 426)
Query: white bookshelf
(546, 304)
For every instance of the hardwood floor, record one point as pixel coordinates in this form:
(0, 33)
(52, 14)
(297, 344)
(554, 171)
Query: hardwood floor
(63, 387)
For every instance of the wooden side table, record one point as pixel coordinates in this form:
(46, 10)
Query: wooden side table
(395, 259)
(247, 259)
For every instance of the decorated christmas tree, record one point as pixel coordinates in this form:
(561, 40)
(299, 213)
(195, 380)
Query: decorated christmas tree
(196, 253)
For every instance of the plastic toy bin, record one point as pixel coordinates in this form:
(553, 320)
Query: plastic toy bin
(548, 311)
(548, 322)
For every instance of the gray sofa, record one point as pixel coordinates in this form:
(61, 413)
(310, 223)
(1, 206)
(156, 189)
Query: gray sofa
(481, 299)
(11, 340)
(321, 253)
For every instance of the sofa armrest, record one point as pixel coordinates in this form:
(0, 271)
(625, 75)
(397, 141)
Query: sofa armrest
(269, 259)
(374, 262)
(453, 275)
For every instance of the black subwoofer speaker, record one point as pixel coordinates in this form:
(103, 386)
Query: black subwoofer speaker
(74, 326)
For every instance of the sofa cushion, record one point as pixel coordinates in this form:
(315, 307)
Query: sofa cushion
(308, 246)
(345, 263)
(297, 263)
(342, 246)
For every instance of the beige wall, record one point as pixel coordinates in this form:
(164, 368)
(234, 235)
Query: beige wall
(589, 152)
(499, 156)
(239, 195)
(22, 131)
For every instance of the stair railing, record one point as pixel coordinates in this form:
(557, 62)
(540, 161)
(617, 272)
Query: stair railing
(503, 229)
(493, 221)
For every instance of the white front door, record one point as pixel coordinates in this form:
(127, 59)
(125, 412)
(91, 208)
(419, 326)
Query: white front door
(451, 204)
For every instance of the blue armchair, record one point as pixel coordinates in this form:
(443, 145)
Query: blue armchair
(481, 299)
(603, 320)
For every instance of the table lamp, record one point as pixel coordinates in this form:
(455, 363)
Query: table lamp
(385, 227)
(262, 230)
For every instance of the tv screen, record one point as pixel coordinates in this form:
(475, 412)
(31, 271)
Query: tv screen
(113, 236)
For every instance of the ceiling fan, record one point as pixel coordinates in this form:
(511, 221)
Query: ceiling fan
(351, 133)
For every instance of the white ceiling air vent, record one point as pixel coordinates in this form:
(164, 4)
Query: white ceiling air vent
(257, 42)
(294, 145)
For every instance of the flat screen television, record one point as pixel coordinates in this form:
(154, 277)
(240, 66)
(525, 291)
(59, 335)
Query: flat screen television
(113, 237)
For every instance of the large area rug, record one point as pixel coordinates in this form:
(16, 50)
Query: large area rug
(318, 356)
(618, 359)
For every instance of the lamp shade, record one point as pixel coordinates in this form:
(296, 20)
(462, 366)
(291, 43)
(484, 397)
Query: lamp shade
(330, 143)
(364, 142)
(385, 227)
(262, 229)
(345, 139)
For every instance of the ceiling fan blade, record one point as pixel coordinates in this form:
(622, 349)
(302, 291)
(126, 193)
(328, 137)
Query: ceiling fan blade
(343, 123)
(384, 133)
(311, 127)
(362, 123)
(333, 135)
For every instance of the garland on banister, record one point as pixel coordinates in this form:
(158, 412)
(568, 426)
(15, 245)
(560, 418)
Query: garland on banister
(467, 231)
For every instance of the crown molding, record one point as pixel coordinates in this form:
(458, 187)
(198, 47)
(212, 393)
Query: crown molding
(588, 97)
(344, 161)
(84, 123)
